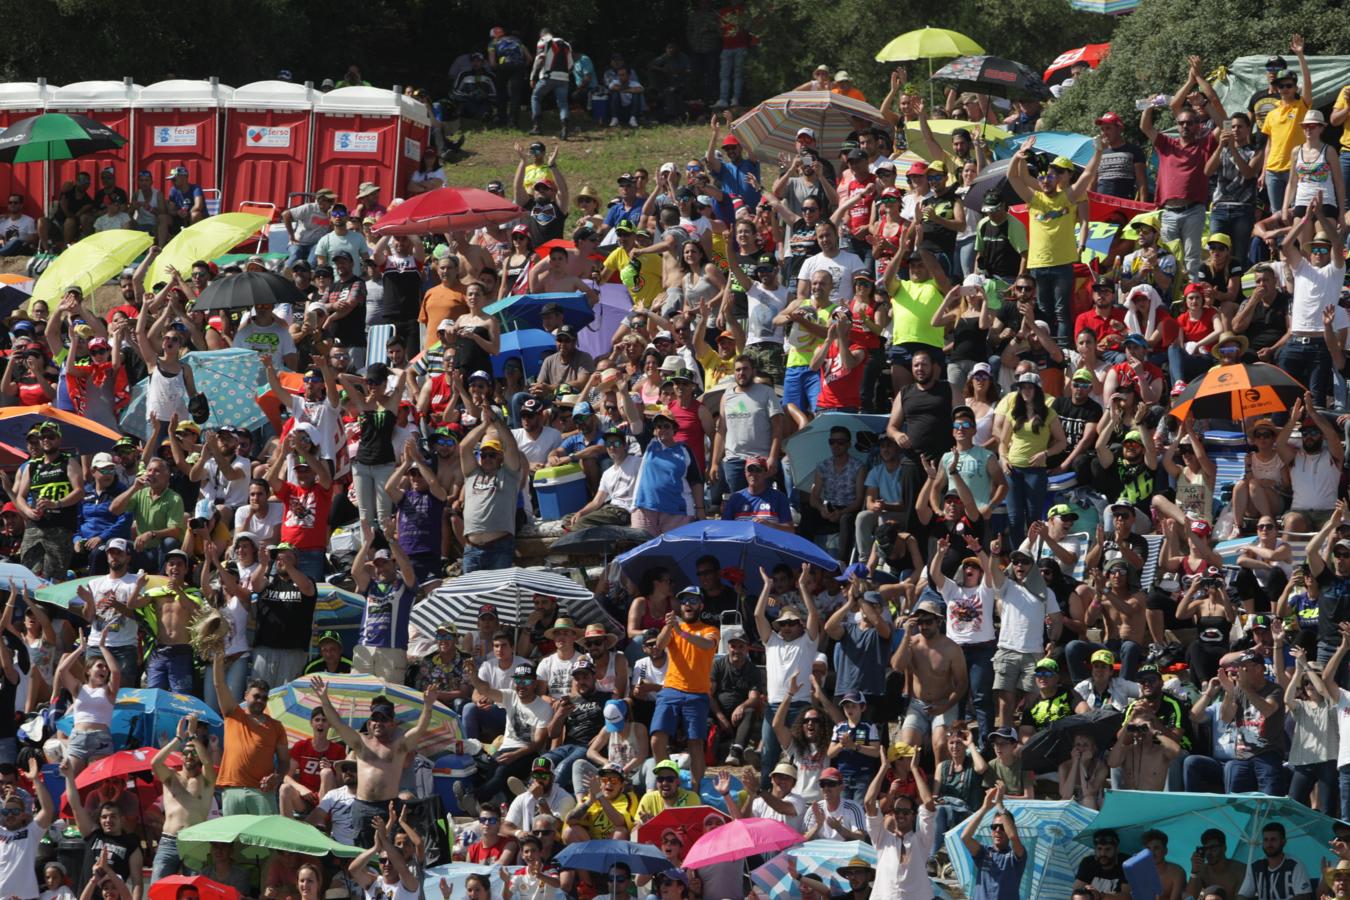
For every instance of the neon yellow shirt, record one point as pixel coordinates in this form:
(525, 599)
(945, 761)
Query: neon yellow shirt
(652, 802)
(1053, 227)
(644, 285)
(801, 344)
(912, 306)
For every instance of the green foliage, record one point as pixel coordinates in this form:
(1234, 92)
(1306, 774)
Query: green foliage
(1150, 48)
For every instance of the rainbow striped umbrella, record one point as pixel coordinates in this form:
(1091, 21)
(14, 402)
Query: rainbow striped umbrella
(292, 703)
(1047, 828)
(771, 127)
(340, 611)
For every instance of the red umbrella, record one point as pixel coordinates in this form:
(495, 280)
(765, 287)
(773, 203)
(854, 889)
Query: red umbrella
(1092, 54)
(688, 822)
(11, 455)
(122, 766)
(1101, 208)
(167, 888)
(448, 209)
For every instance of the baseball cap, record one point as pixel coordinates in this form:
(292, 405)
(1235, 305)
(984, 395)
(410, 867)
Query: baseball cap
(1063, 163)
(831, 774)
(856, 155)
(1147, 670)
(853, 697)
(114, 544)
(1046, 665)
(1132, 435)
(566, 331)
(1029, 378)
(1103, 656)
(806, 132)
(524, 670)
(104, 461)
(666, 765)
(1083, 375)
(330, 635)
(730, 141)
(734, 633)
(855, 570)
(991, 201)
(1109, 118)
(1005, 733)
(1061, 509)
(616, 714)
(542, 764)
(1201, 528)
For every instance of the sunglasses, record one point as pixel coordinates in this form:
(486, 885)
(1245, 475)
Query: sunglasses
(595, 642)
(662, 779)
(488, 454)
(1266, 527)
(963, 426)
(1343, 555)
(489, 821)
(830, 784)
(522, 680)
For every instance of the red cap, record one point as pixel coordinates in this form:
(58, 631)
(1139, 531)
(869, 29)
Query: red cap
(830, 774)
(546, 181)
(1195, 287)
(890, 192)
(760, 461)
(9, 507)
(730, 141)
(919, 168)
(1201, 528)
(1109, 118)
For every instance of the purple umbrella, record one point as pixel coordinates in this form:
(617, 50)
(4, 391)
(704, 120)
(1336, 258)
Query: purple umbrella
(614, 306)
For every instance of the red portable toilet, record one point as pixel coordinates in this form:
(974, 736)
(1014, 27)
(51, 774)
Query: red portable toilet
(268, 135)
(108, 102)
(19, 100)
(178, 124)
(367, 134)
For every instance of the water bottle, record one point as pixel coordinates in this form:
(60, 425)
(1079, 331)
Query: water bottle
(1157, 101)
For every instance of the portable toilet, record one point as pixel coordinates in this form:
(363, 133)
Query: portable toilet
(109, 102)
(268, 138)
(368, 134)
(19, 100)
(178, 124)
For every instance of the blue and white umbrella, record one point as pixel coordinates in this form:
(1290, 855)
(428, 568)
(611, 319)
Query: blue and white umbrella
(230, 380)
(1047, 829)
(821, 859)
(511, 593)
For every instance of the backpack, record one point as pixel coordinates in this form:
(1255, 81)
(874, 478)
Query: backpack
(510, 52)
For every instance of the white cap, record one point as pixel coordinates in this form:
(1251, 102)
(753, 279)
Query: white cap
(119, 544)
(809, 132)
(103, 461)
(446, 325)
(666, 167)
(1029, 378)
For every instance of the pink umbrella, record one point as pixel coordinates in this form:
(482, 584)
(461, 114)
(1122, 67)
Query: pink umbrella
(740, 839)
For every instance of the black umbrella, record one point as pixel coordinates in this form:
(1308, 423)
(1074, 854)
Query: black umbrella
(600, 539)
(56, 136)
(994, 75)
(1052, 744)
(993, 177)
(246, 290)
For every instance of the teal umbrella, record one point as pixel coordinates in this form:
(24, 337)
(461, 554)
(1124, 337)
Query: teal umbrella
(258, 837)
(1184, 817)
(809, 447)
(1047, 829)
(56, 136)
(229, 378)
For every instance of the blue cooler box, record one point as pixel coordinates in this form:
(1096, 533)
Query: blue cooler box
(447, 770)
(560, 490)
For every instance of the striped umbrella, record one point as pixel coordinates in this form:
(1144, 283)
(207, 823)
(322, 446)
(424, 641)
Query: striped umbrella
(1105, 7)
(511, 593)
(771, 127)
(340, 611)
(820, 859)
(1047, 828)
(291, 705)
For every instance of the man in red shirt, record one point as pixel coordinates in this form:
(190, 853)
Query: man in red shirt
(304, 524)
(841, 359)
(1106, 320)
(855, 181)
(300, 790)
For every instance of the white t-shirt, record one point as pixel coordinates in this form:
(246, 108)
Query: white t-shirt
(23, 228)
(841, 269)
(218, 487)
(338, 804)
(265, 527)
(275, 340)
(1024, 617)
(382, 890)
(18, 854)
(522, 719)
(620, 482)
(970, 612)
(1343, 724)
(782, 660)
(1314, 480)
(1314, 290)
(762, 305)
(325, 419)
(495, 675)
(525, 807)
(121, 629)
(556, 672)
(761, 810)
(646, 670)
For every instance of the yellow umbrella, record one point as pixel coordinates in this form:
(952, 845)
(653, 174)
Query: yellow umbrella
(207, 239)
(928, 43)
(942, 133)
(90, 263)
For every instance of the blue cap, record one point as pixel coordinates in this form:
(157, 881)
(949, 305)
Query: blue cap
(690, 592)
(582, 409)
(1136, 338)
(857, 570)
(853, 697)
(616, 715)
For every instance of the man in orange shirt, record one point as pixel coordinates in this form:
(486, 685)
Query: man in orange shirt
(682, 705)
(255, 755)
(843, 84)
(444, 300)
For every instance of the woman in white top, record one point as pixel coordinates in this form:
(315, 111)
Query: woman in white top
(232, 595)
(429, 174)
(258, 517)
(171, 382)
(981, 394)
(1316, 169)
(94, 699)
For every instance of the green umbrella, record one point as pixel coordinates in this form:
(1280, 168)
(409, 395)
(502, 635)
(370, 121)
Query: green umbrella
(258, 837)
(56, 136)
(63, 593)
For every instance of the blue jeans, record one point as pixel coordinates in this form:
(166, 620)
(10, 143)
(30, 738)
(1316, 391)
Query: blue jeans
(1076, 654)
(1310, 363)
(236, 678)
(1026, 500)
(1276, 183)
(980, 698)
(965, 257)
(297, 252)
(1323, 775)
(1188, 226)
(563, 757)
(770, 751)
(479, 722)
(313, 563)
(1264, 773)
(1345, 172)
(15, 247)
(950, 812)
(1236, 221)
(732, 74)
(1343, 777)
(801, 387)
(733, 473)
(170, 669)
(166, 861)
(498, 554)
(542, 89)
(1054, 288)
(152, 558)
(1202, 775)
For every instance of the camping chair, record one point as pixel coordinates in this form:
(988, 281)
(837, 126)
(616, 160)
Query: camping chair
(212, 196)
(257, 208)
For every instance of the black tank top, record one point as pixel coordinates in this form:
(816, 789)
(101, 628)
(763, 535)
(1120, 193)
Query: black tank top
(970, 341)
(49, 480)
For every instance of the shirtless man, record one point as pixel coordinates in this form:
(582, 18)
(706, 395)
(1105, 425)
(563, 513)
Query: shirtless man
(380, 754)
(187, 794)
(473, 259)
(937, 677)
(170, 666)
(1172, 876)
(1124, 617)
(1143, 750)
(555, 278)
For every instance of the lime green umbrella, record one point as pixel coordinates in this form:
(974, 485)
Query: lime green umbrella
(51, 136)
(206, 239)
(258, 837)
(928, 43)
(91, 263)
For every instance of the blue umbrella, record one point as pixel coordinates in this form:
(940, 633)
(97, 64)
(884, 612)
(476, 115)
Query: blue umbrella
(525, 310)
(529, 345)
(600, 856)
(1047, 829)
(229, 379)
(455, 874)
(821, 859)
(340, 611)
(147, 717)
(1184, 817)
(809, 447)
(1077, 147)
(743, 545)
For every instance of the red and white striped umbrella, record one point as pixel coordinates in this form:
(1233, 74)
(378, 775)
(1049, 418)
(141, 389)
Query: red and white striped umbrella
(771, 127)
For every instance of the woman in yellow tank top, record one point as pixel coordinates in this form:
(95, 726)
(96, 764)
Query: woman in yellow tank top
(1052, 199)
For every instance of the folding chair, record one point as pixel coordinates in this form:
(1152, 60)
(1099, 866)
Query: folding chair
(258, 208)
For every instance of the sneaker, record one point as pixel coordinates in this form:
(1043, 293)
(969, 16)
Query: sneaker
(562, 131)
(720, 104)
(515, 785)
(468, 803)
(632, 122)
(736, 756)
(613, 123)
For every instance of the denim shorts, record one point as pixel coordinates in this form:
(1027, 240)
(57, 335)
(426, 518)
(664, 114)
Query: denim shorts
(678, 708)
(90, 745)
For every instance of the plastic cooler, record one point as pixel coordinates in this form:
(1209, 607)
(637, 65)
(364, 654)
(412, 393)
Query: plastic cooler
(447, 770)
(560, 490)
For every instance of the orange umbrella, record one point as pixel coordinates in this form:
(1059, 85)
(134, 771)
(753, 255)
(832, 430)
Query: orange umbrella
(77, 433)
(1239, 391)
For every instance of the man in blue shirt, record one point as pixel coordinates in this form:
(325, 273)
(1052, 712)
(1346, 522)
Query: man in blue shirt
(998, 869)
(185, 201)
(389, 584)
(730, 168)
(628, 208)
(760, 501)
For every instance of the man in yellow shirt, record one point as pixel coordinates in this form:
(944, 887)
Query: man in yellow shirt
(668, 793)
(682, 706)
(1283, 125)
(641, 274)
(605, 811)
